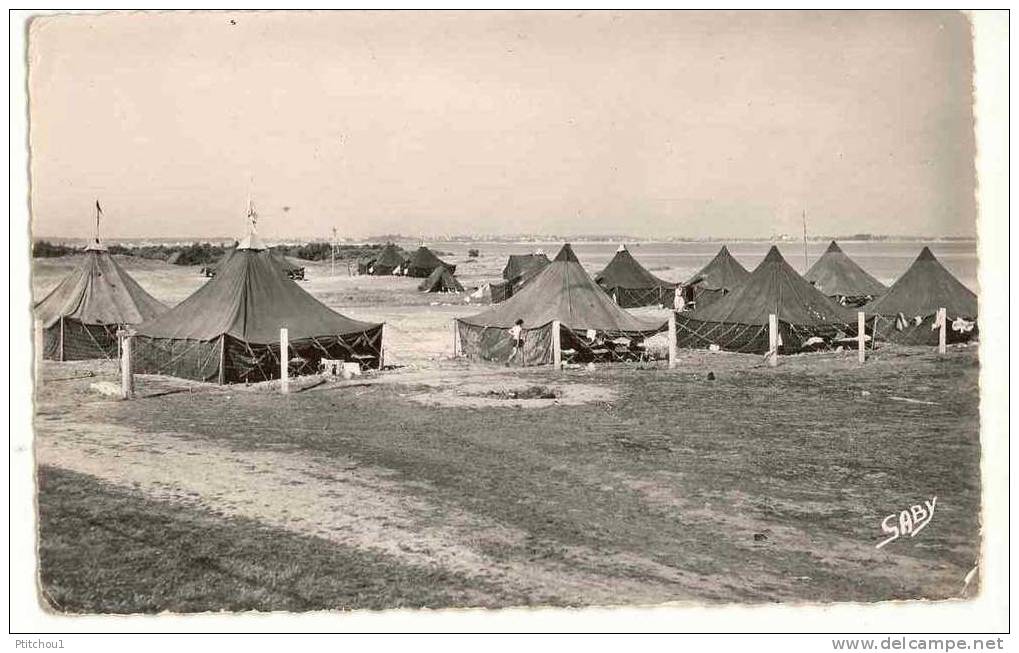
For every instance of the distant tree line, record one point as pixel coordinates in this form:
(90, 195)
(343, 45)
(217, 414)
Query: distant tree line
(208, 253)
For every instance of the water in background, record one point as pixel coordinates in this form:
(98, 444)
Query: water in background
(886, 260)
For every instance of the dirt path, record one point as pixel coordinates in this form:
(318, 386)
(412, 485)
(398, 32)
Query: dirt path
(358, 506)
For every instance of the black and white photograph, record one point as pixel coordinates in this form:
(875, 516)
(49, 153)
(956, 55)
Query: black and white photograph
(445, 310)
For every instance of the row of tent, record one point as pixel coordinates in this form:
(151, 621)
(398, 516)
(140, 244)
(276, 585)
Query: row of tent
(228, 330)
(732, 307)
(390, 260)
(631, 285)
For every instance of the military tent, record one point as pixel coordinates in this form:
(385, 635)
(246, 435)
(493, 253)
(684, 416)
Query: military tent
(81, 316)
(440, 280)
(839, 277)
(631, 285)
(423, 261)
(389, 260)
(519, 270)
(518, 264)
(592, 326)
(739, 320)
(716, 279)
(228, 331)
(907, 312)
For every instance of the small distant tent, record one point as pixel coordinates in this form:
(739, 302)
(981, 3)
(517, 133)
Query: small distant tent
(423, 261)
(228, 331)
(81, 316)
(715, 280)
(907, 312)
(388, 261)
(592, 326)
(839, 277)
(519, 270)
(440, 280)
(630, 284)
(739, 320)
(518, 264)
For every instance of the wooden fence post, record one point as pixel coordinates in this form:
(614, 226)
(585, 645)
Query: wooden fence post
(773, 340)
(456, 339)
(861, 334)
(284, 360)
(672, 340)
(943, 331)
(126, 369)
(557, 346)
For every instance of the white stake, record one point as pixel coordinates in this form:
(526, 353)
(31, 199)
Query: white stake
(557, 346)
(37, 336)
(672, 340)
(773, 340)
(861, 334)
(943, 331)
(284, 360)
(456, 339)
(126, 370)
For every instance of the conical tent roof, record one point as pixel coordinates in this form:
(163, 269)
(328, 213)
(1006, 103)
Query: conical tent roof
(250, 300)
(390, 257)
(623, 271)
(924, 288)
(518, 264)
(440, 280)
(774, 287)
(723, 272)
(835, 274)
(563, 291)
(98, 291)
(425, 258)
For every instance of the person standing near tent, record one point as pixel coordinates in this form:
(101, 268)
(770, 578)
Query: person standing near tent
(679, 303)
(517, 333)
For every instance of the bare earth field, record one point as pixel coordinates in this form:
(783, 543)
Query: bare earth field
(446, 484)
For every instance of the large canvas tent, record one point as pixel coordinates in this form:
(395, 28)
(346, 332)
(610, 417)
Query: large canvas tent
(423, 261)
(440, 280)
(563, 292)
(906, 313)
(842, 279)
(229, 330)
(720, 276)
(631, 285)
(388, 261)
(520, 269)
(81, 316)
(739, 320)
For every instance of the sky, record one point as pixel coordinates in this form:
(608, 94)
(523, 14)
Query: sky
(651, 124)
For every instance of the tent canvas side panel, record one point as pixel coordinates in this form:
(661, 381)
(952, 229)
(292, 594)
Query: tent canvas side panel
(748, 338)
(71, 340)
(884, 328)
(637, 297)
(252, 363)
(495, 344)
(198, 360)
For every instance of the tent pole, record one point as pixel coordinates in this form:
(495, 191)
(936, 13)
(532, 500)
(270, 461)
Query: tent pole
(61, 357)
(284, 360)
(222, 359)
(126, 370)
(772, 340)
(943, 331)
(672, 340)
(861, 330)
(557, 346)
(456, 340)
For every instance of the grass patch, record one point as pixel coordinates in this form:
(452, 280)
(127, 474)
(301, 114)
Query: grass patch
(106, 549)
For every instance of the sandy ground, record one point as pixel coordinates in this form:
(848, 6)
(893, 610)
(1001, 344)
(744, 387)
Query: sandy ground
(370, 495)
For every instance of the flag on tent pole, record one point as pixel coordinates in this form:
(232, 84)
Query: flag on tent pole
(99, 213)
